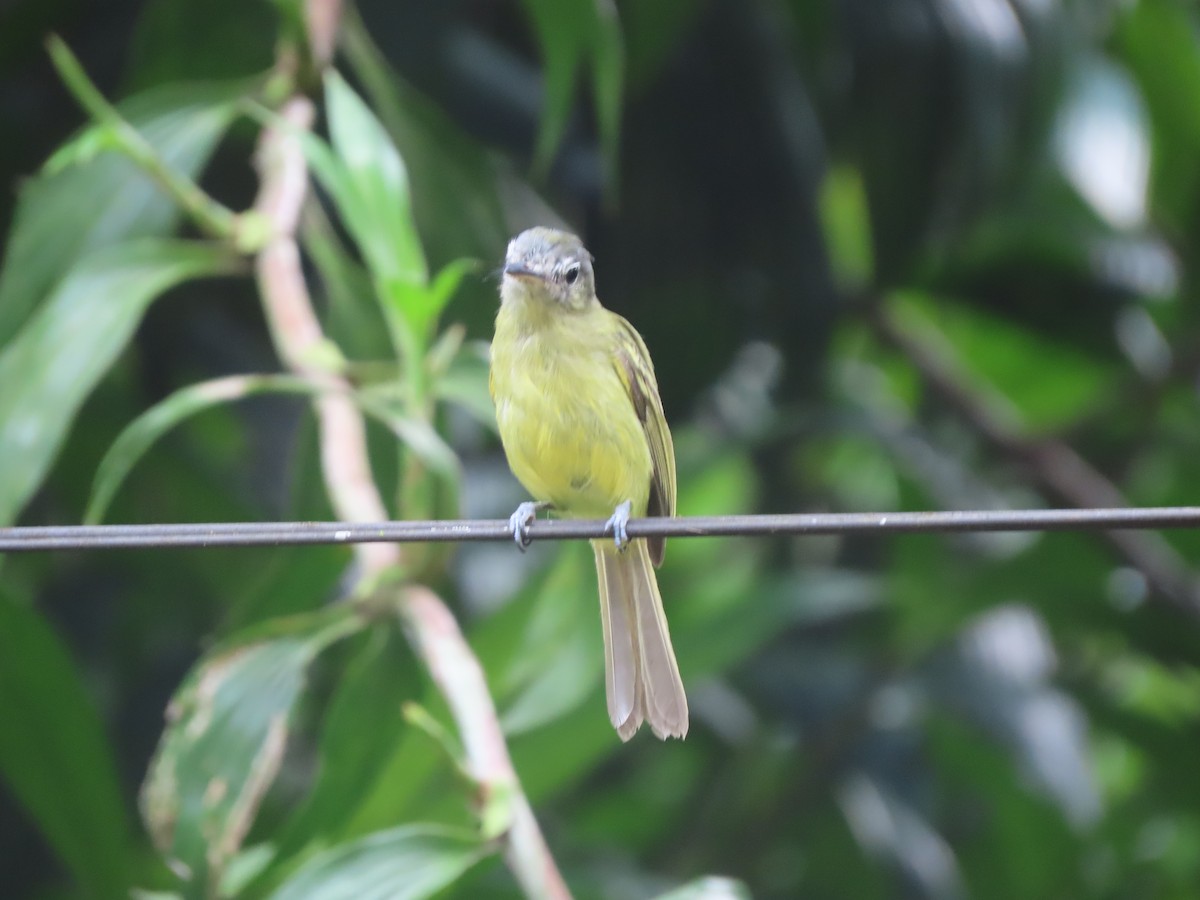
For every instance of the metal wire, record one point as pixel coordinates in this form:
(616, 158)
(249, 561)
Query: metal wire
(257, 534)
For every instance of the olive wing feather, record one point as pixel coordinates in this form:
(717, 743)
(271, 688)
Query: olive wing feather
(637, 373)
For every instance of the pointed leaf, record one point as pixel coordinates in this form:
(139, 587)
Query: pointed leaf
(420, 304)
(54, 754)
(52, 365)
(405, 863)
(465, 383)
(141, 434)
(376, 176)
(368, 700)
(608, 83)
(227, 730)
(454, 179)
(353, 323)
(1157, 38)
(151, 425)
(366, 178)
(419, 436)
(445, 284)
(574, 33)
(710, 887)
(846, 222)
(563, 46)
(183, 123)
(175, 42)
(557, 663)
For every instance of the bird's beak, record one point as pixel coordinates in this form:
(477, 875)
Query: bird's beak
(516, 270)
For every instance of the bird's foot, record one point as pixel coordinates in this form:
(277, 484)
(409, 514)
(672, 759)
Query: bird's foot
(518, 522)
(616, 525)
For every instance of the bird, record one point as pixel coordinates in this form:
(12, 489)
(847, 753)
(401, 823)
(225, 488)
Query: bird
(583, 429)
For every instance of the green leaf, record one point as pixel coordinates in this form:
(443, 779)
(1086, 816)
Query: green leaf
(465, 383)
(146, 429)
(245, 866)
(179, 41)
(608, 83)
(54, 754)
(573, 33)
(368, 183)
(495, 801)
(557, 662)
(368, 700)
(183, 123)
(51, 366)
(454, 179)
(846, 221)
(446, 282)
(400, 789)
(405, 863)
(1158, 41)
(710, 887)
(374, 195)
(95, 139)
(653, 33)
(225, 738)
(151, 425)
(353, 322)
(1019, 823)
(1049, 384)
(429, 446)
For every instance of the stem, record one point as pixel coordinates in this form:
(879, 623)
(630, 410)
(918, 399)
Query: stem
(297, 332)
(211, 217)
(459, 677)
(433, 630)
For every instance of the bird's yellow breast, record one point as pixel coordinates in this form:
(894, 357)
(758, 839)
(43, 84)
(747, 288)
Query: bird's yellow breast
(566, 420)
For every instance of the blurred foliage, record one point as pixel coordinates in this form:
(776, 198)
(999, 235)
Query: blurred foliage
(1013, 184)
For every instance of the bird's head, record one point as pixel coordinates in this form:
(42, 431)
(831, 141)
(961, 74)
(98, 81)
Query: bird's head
(549, 266)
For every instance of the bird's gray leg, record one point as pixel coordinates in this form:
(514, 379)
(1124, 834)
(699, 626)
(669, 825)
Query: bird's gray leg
(616, 524)
(518, 522)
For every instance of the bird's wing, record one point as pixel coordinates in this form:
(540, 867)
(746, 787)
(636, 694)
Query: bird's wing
(637, 374)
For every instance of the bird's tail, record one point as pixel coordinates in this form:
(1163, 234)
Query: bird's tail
(641, 676)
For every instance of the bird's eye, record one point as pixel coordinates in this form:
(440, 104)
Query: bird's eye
(572, 274)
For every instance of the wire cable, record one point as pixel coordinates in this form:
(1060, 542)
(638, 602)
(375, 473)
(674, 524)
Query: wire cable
(258, 534)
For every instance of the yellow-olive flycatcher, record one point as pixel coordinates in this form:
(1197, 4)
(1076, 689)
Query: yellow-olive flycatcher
(584, 431)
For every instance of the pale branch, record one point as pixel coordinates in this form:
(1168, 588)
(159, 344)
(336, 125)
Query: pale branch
(297, 331)
(459, 677)
(299, 338)
(323, 19)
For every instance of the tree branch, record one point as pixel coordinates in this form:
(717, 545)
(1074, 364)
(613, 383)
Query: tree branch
(322, 19)
(1060, 473)
(459, 677)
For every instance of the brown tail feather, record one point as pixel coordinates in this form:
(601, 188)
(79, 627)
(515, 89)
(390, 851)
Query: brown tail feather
(642, 680)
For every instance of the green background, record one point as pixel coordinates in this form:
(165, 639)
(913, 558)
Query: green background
(916, 254)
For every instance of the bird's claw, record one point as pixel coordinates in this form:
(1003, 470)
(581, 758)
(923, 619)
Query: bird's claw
(518, 523)
(616, 525)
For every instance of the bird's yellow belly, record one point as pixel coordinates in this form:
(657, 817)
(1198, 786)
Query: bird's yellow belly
(571, 437)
